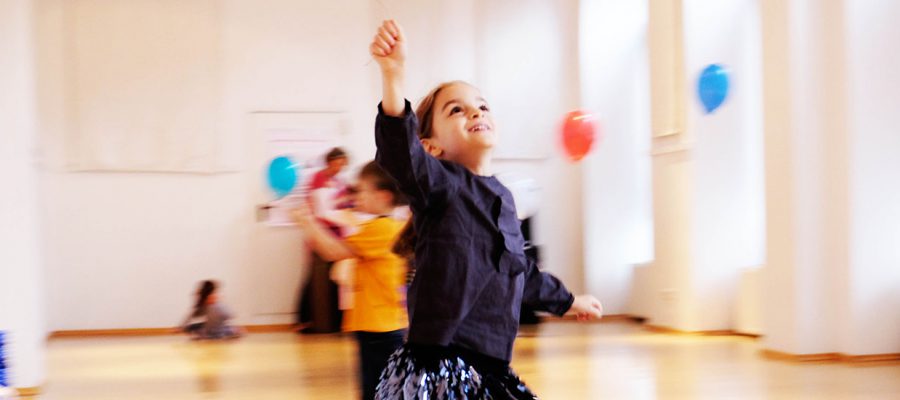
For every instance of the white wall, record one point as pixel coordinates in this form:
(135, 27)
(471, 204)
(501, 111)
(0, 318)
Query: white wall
(831, 277)
(707, 176)
(873, 100)
(728, 212)
(125, 250)
(618, 229)
(120, 51)
(806, 180)
(667, 279)
(22, 315)
(778, 275)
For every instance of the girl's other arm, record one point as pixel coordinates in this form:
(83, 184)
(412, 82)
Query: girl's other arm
(546, 292)
(321, 239)
(586, 307)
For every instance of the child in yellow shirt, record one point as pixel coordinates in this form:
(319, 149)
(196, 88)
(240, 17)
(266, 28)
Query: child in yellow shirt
(378, 316)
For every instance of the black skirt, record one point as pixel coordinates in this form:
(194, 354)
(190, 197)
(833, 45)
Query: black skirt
(416, 372)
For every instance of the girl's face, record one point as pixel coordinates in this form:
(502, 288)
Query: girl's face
(462, 123)
(371, 200)
(336, 165)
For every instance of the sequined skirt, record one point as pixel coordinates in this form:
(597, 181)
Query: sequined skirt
(412, 375)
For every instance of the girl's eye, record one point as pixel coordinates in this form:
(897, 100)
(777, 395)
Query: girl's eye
(485, 108)
(455, 110)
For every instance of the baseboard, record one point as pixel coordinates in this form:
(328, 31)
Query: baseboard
(871, 358)
(606, 318)
(803, 358)
(831, 357)
(155, 331)
(745, 334)
(619, 318)
(718, 332)
(269, 328)
(659, 328)
(80, 333)
(28, 391)
(111, 332)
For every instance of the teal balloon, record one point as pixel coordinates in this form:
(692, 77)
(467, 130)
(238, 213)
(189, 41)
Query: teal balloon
(283, 174)
(712, 87)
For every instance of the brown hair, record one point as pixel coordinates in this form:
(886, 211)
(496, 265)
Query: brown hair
(335, 153)
(206, 289)
(425, 109)
(405, 246)
(372, 172)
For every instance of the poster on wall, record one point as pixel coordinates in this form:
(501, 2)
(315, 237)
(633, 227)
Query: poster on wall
(304, 138)
(121, 114)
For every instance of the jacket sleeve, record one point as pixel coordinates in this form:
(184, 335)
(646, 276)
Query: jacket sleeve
(423, 178)
(544, 291)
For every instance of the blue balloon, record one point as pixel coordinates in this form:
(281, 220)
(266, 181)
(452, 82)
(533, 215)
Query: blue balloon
(712, 87)
(282, 175)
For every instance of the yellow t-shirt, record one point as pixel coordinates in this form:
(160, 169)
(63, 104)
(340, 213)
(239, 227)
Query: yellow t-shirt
(379, 288)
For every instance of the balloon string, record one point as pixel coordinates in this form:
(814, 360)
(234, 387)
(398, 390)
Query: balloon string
(384, 12)
(383, 8)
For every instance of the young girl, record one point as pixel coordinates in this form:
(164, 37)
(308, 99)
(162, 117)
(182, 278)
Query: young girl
(472, 273)
(209, 318)
(377, 316)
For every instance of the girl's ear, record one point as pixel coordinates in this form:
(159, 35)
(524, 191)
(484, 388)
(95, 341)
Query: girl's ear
(431, 148)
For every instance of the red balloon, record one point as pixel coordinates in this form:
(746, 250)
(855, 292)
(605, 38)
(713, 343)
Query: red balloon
(578, 134)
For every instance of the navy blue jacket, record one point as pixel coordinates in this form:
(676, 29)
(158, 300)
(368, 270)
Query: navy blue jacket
(472, 274)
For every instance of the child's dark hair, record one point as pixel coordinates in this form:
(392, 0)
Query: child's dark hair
(335, 153)
(206, 289)
(382, 181)
(405, 246)
(425, 109)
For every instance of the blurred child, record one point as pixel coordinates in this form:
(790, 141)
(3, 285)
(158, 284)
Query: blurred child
(378, 316)
(317, 307)
(209, 318)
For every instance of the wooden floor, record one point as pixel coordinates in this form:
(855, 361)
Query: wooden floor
(560, 360)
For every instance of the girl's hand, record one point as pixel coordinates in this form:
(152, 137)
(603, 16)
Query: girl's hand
(388, 47)
(586, 307)
(303, 215)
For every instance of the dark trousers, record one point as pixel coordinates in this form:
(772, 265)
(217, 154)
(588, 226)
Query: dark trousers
(318, 303)
(374, 350)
